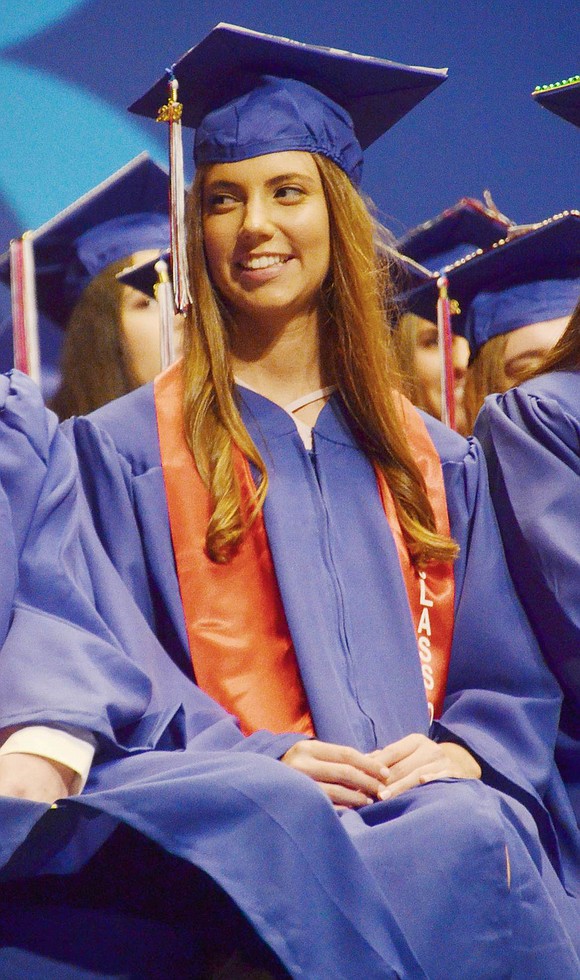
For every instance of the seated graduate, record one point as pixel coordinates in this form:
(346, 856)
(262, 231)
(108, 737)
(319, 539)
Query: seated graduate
(184, 828)
(516, 300)
(513, 302)
(455, 233)
(531, 437)
(109, 332)
(320, 557)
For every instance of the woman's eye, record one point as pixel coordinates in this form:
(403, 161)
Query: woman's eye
(428, 340)
(218, 201)
(289, 193)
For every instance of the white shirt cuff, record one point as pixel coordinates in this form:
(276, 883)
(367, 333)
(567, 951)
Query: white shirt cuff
(73, 751)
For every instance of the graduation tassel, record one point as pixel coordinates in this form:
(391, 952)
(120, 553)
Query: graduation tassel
(446, 354)
(24, 309)
(171, 113)
(164, 296)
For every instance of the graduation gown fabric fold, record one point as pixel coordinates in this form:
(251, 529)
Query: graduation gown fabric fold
(531, 437)
(411, 887)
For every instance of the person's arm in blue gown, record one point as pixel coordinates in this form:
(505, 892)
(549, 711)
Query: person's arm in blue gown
(76, 653)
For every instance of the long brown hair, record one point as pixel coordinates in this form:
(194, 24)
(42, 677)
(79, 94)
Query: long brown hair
(485, 375)
(565, 355)
(357, 301)
(404, 347)
(95, 362)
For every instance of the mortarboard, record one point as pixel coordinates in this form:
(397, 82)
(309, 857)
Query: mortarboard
(562, 98)
(534, 270)
(50, 267)
(145, 276)
(456, 232)
(248, 94)
(236, 72)
(436, 243)
(153, 278)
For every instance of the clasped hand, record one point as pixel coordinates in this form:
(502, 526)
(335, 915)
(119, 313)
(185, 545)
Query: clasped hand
(352, 779)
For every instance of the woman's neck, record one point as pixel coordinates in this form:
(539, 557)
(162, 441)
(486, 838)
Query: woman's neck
(282, 365)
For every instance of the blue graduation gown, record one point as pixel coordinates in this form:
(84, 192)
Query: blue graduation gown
(170, 762)
(174, 766)
(348, 615)
(531, 437)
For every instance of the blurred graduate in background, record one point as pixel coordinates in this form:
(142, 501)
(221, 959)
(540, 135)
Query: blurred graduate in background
(110, 342)
(515, 299)
(456, 232)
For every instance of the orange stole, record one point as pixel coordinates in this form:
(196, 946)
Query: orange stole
(431, 593)
(240, 644)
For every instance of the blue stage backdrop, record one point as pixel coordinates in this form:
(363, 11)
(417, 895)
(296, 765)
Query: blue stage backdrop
(69, 68)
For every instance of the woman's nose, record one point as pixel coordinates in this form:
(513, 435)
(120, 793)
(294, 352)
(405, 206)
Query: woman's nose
(257, 220)
(460, 357)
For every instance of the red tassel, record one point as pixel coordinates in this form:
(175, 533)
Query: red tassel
(24, 310)
(446, 354)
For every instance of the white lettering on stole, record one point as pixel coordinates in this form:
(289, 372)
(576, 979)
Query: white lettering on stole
(424, 642)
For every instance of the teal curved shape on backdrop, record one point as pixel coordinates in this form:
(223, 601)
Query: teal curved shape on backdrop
(84, 138)
(26, 17)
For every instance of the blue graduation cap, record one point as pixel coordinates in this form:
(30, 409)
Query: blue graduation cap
(531, 275)
(561, 98)
(456, 232)
(153, 278)
(247, 94)
(146, 276)
(49, 268)
(453, 234)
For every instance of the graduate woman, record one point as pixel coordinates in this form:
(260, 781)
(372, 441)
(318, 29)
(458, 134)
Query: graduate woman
(531, 437)
(320, 558)
(85, 890)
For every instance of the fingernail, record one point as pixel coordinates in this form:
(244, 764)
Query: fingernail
(384, 772)
(384, 794)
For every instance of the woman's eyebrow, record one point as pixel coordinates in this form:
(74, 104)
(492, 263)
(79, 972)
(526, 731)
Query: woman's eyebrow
(231, 185)
(221, 185)
(283, 178)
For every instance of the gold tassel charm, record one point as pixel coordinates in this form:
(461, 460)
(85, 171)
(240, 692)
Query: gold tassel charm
(164, 296)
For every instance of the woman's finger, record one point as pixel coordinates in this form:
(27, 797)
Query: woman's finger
(337, 765)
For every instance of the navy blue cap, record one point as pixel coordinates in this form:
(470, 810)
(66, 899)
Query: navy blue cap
(126, 213)
(144, 275)
(249, 94)
(529, 256)
(561, 98)
(500, 311)
(456, 232)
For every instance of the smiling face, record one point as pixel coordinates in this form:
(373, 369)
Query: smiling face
(266, 237)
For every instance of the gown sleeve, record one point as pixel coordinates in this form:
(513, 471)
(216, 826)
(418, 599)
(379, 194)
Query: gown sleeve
(532, 444)
(77, 653)
(531, 438)
(502, 702)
